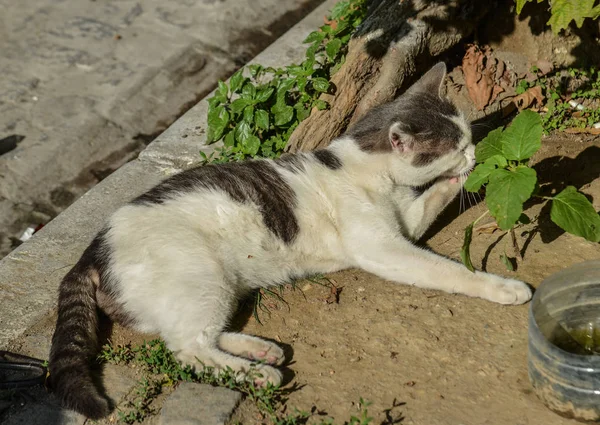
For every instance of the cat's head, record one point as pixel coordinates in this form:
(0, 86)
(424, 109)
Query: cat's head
(422, 132)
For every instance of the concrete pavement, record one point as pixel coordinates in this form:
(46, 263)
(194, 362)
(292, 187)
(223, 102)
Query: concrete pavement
(86, 83)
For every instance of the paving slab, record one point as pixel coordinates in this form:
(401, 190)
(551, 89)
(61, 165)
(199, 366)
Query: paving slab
(82, 80)
(45, 414)
(199, 404)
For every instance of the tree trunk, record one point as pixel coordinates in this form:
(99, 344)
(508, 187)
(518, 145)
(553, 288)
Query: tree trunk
(397, 39)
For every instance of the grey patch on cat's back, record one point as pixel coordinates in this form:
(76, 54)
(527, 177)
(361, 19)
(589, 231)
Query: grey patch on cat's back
(328, 159)
(292, 162)
(255, 181)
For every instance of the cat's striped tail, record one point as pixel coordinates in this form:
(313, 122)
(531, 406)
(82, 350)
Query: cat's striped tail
(75, 341)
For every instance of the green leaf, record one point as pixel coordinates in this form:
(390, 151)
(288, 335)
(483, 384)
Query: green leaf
(333, 47)
(249, 91)
(255, 69)
(507, 263)
(479, 177)
(280, 143)
(342, 26)
(238, 105)
(465, 252)
(314, 36)
(284, 87)
(524, 136)
(340, 9)
(520, 4)
(308, 65)
(229, 139)
(218, 119)
(311, 51)
(283, 115)
(215, 101)
(506, 192)
(320, 84)
(302, 83)
(236, 81)
(249, 114)
(326, 29)
(497, 160)
(481, 173)
(251, 145)
(301, 112)
(295, 70)
(573, 212)
(320, 104)
(222, 89)
(261, 118)
(489, 146)
(242, 131)
(564, 11)
(264, 94)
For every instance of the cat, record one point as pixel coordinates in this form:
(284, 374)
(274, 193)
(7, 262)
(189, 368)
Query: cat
(176, 260)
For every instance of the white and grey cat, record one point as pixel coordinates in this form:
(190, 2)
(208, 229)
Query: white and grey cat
(176, 260)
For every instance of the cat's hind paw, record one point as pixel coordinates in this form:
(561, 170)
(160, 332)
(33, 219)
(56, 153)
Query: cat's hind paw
(270, 353)
(252, 348)
(266, 374)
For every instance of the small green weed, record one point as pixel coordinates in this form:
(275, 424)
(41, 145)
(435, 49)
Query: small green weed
(140, 408)
(258, 111)
(503, 158)
(264, 294)
(364, 418)
(560, 114)
(163, 370)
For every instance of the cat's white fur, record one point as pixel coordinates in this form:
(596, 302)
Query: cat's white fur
(187, 287)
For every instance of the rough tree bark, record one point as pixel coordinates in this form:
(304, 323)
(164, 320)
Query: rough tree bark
(397, 39)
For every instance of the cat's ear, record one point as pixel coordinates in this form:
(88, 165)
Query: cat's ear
(400, 141)
(432, 81)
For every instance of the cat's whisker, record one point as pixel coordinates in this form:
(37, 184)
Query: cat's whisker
(464, 178)
(461, 206)
(481, 124)
(478, 196)
(474, 200)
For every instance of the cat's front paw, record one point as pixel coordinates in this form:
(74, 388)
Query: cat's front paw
(448, 185)
(507, 291)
